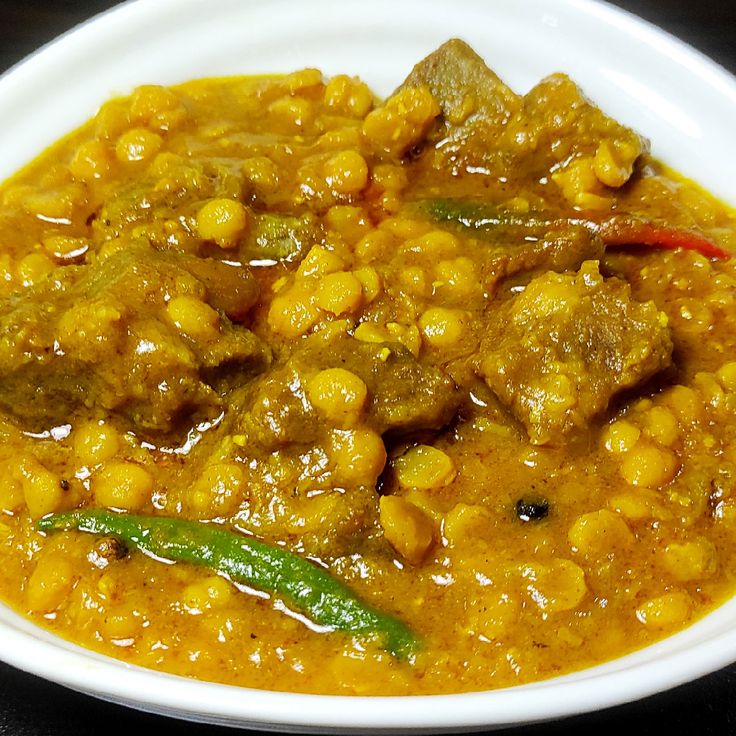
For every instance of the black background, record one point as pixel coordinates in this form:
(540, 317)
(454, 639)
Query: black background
(31, 707)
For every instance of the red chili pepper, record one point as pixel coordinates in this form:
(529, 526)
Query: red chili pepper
(623, 231)
(617, 231)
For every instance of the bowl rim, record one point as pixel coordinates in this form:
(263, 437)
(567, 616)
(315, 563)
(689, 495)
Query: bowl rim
(43, 654)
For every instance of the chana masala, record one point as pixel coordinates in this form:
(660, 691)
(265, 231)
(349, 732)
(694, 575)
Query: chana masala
(308, 391)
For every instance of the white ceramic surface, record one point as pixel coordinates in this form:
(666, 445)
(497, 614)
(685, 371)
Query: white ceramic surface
(685, 103)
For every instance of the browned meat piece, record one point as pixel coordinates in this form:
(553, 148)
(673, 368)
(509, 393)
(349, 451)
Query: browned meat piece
(404, 395)
(476, 105)
(487, 128)
(556, 353)
(100, 335)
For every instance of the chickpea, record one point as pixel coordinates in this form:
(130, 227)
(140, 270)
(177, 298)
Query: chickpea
(209, 594)
(665, 611)
(193, 318)
(42, 489)
(599, 533)
(465, 521)
(690, 560)
(649, 467)
(319, 262)
(90, 162)
(293, 313)
(338, 395)
(137, 144)
(122, 485)
(65, 248)
(292, 114)
(370, 281)
(339, 293)
(424, 467)
(620, 436)
(95, 442)
(346, 173)
(262, 173)
(406, 528)
(358, 456)
(348, 96)
(222, 220)
(558, 586)
(50, 583)
(218, 491)
(441, 327)
(661, 425)
(351, 223)
(403, 121)
(33, 268)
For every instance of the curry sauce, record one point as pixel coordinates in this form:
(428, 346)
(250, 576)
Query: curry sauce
(470, 354)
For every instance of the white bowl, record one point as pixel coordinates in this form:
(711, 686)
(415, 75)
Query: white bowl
(685, 103)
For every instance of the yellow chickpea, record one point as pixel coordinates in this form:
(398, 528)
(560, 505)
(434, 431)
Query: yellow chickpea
(620, 436)
(193, 318)
(346, 173)
(351, 223)
(649, 467)
(370, 281)
(292, 114)
(424, 467)
(726, 376)
(693, 560)
(406, 528)
(464, 522)
(91, 161)
(320, 261)
(665, 611)
(373, 246)
(358, 456)
(222, 220)
(122, 485)
(33, 268)
(442, 327)
(661, 425)
(262, 173)
(558, 586)
(50, 583)
(294, 312)
(348, 96)
(43, 490)
(137, 144)
(339, 293)
(65, 248)
(95, 442)
(600, 533)
(218, 491)
(338, 395)
(209, 594)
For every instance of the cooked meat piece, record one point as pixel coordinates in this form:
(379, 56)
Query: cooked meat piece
(100, 335)
(476, 105)
(487, 128)
(556, 353)
(403, 394)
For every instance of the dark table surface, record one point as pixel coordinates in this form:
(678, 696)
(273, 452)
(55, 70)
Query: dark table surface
(31, 707)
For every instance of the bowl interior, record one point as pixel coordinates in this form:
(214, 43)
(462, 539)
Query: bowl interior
(641, 76)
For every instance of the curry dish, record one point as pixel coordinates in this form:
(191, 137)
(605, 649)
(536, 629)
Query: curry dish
(308, 391)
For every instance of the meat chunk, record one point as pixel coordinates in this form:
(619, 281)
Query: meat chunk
(487, 128)
(475, 103)
(403, 394)
(101, 335)
(558, 352)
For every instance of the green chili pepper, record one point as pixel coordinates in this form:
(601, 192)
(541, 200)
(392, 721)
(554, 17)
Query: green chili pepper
(311, 590)
(618, 230)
